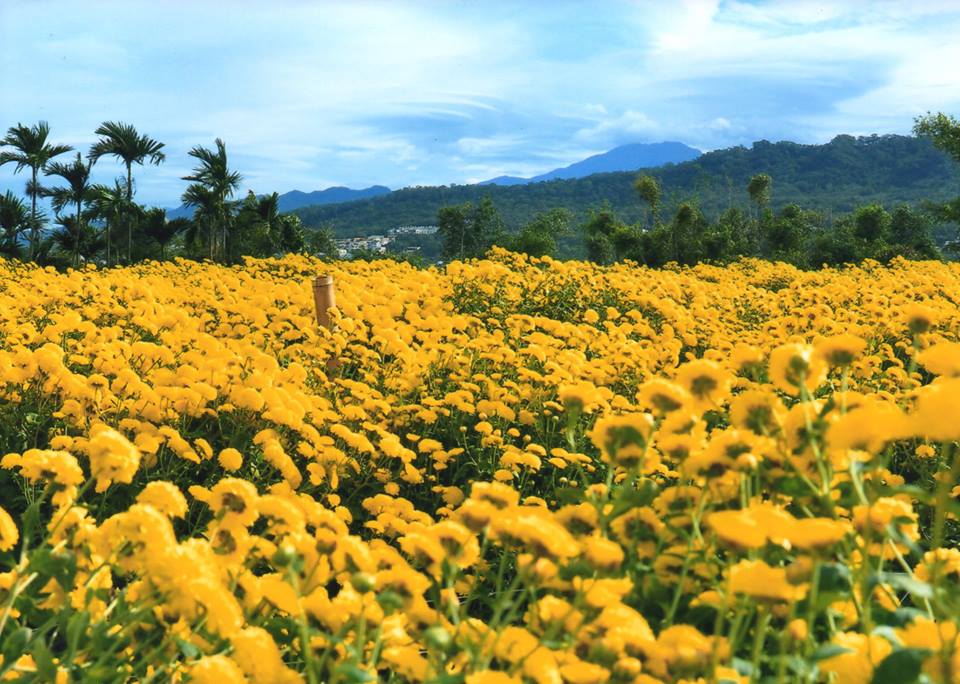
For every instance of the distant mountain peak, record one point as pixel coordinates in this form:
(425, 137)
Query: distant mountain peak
(296, 199)
(630, 157)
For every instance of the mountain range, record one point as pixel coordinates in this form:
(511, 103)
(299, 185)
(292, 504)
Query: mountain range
(622, 158)
(296, 199)
(833, 177)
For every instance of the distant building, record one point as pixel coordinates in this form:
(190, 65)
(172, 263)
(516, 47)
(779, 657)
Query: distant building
(373, 243)
(378, 243)
(412, 230)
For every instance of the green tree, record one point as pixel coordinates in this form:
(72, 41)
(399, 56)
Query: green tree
(30, 149)
(122, 141)
(730, 237)
(649, 190)
(871, 223)
(911, 233)
(600, 232)
(319, 242)
(785, 235)
(689, 225)
(77, 238)
(162, 231)
(759, 190)
(468, 230)
(252, 225)
(110, 204)
(75, 194)
(291, 237)
(15, 221)
(261, 230)
(212, 185)
(942, 129)
(539, 237)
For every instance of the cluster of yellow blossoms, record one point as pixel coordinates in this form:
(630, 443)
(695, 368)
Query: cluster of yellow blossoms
(509, 470)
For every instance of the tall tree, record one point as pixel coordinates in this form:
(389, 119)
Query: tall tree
(30, 149)
(212, 185)
(122, 141)
(78, 238)
(539, 237)
(111, 205)
(944, 131)
(649, 190)
(469, 230)
(75, 194)
(160, 230)
(14, 222)
(759, 190)
(601, 233)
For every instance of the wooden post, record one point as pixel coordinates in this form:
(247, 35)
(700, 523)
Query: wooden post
(324, 298)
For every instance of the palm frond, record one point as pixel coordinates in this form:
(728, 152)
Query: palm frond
(122, 141)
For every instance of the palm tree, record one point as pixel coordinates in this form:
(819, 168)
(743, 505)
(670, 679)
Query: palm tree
(110, 204)
(31, 150)
(77, 192)
(14, 222)
(156, 226)
(213, 183)
(79, 238)
(124, 142)
(203, 224)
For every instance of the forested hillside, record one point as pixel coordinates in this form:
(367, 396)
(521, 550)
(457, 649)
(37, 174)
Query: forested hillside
(836, 177)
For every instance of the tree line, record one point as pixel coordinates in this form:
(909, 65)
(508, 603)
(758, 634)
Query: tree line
(835, 177)
(105, 223)
(803, 237)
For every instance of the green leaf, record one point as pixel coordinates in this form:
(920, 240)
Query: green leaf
(31, 519)
(629, 498)
(743, 667)
(15, 644)
(834, 577)
(792, 486)
(829, 651)
(448, 679)
(888, 633)
(903, 666)
(352, 674)
(187, 649)
(568, 495)
(46, 669)
(62, 565)
(76, 626)
(904, 582)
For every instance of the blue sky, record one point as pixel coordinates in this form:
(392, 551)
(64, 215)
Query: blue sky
(313, 94)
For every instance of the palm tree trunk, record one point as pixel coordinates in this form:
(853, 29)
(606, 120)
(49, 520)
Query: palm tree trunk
(76, 239)
(129, 212)
(108, 242)
(33, 215)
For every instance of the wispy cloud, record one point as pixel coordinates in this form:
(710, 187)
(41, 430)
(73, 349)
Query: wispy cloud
(312, 94)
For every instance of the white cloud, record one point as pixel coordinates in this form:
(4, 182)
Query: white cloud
(314, 93)
(630, 122)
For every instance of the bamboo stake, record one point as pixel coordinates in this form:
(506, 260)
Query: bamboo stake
(324, 298)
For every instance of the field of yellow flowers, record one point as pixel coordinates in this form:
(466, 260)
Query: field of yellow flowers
(509, 470)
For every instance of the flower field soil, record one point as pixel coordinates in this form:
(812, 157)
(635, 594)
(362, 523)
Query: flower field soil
(509, 470)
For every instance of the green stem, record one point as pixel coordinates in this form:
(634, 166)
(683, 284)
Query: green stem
(763, 622)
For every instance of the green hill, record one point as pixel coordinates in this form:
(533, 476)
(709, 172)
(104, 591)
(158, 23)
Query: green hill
(834, 177)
